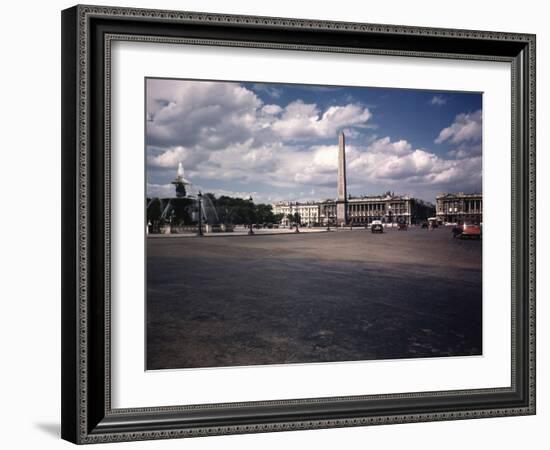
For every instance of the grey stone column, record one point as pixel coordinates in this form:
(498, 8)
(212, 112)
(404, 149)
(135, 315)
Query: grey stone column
(341, 210)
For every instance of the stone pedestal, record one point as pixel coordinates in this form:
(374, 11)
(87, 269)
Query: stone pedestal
(341, 216)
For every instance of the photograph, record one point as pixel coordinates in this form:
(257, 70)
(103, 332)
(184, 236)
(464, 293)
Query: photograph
(291, 219)
(299, 223)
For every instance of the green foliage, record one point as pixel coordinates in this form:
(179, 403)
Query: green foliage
(264, 213)
(232, 210)
(294, 218)
(154, 210)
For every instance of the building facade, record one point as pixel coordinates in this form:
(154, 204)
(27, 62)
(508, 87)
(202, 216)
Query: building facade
(387, 208)
(309, 212)
(459, 208)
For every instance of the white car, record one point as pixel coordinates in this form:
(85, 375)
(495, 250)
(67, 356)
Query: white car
(376, 226)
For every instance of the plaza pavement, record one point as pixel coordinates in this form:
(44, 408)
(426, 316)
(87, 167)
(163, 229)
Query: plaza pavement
(312, 297)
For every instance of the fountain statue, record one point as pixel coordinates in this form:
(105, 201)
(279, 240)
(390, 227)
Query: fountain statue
(183, 213)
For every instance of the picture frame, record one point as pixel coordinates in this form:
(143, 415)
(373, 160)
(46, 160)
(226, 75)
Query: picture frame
(87, 413)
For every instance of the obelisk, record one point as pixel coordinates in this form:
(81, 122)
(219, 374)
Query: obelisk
(341, 207)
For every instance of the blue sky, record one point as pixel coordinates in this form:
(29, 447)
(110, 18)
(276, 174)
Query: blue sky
(279, 141)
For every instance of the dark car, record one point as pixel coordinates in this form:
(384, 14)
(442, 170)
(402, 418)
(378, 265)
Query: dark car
(424, 225)
(456, 231)
(376, 227)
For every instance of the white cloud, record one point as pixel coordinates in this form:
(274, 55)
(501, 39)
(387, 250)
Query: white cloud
(184, 113)
(466, 150)
(304, 121)
(272, 109)
(397, 162)
(272, 91)
(213, 115)
(228, 138)
(384, 145)
(465, 128)
(160, 190)
(438, 100)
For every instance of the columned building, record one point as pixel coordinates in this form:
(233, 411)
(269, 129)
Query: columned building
(460, 208)
(309, 212)
(388, 208)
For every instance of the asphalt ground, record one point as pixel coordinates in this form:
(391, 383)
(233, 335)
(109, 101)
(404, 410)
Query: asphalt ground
(312, 297)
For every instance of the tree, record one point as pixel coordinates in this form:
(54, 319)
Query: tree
(154, 210)
(278, 218)
(264, 213)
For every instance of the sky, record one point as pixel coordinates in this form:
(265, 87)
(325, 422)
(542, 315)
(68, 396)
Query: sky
(280, 141)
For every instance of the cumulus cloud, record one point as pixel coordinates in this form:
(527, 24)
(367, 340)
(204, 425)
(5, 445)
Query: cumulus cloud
(390, 162)
(465, 128)
(272, 91)
(384, 145)
(206, 113)
(304, 121)
(231, 141)
(214, 115)
(466, 150)
(160, 190)
(272, 109)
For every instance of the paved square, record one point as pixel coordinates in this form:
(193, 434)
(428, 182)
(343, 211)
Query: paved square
(312, 297)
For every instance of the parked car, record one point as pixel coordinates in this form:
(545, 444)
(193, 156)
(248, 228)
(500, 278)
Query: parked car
(376, 227)
(471, 231)
(424, 225)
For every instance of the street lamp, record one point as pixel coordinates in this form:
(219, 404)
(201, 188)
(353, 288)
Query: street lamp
(327, 216)
(250, 230)
(199, 197)
(171, 220)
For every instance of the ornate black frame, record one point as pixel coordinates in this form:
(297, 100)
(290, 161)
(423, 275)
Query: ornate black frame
(87, 31)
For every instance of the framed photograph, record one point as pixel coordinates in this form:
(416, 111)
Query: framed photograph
(278, 224)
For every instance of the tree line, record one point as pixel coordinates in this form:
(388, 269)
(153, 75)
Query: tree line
(229, 210)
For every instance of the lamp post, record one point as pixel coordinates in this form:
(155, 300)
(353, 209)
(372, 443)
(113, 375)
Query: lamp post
(171, 221)
(250, 230)
(199, 196)
(327, 216)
